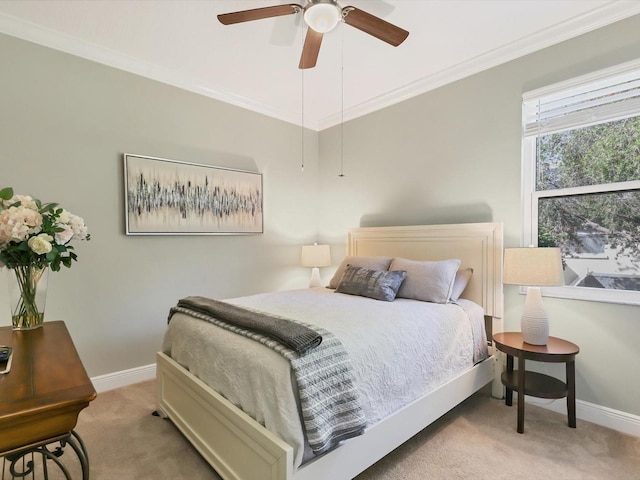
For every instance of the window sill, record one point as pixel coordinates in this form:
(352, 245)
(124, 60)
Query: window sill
(603, 295)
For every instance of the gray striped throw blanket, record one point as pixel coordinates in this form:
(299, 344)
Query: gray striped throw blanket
(329, 398)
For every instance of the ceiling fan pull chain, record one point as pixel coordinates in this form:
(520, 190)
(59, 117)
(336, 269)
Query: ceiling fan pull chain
(302, 120)
(342, 104)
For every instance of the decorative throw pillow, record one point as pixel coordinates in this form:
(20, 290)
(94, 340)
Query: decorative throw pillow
(374, 263)
(427, 281)
(365, 282)
(463, 276)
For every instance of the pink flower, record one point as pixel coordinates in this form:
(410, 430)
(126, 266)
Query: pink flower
(25, 201)
(17, 223)
(64, 236)
(80, 230)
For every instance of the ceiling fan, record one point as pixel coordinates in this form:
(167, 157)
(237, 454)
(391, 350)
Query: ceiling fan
(321, 16)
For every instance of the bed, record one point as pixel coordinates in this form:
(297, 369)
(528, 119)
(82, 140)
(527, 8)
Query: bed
(239, 447)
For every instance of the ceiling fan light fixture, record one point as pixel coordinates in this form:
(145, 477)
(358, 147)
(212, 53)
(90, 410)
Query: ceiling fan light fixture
(322, 16)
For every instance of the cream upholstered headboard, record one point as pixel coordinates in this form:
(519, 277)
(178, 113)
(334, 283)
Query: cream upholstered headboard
(477, 245)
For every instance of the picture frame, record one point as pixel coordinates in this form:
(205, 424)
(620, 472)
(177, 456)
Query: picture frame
(171, 197)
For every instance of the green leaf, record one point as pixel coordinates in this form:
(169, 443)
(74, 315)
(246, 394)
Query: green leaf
(6, 193)
(48, 207)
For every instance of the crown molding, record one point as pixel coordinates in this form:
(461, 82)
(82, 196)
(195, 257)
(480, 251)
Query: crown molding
(31, 32)
(597, 18)
(593, 20)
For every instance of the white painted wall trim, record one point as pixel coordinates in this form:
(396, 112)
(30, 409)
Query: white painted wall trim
(590, 412)
(109, 381)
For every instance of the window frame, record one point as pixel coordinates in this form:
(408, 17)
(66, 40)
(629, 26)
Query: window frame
(530, 196)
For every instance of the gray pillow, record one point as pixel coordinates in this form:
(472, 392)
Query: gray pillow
(374, 263)
(365, 282)
(427, 281)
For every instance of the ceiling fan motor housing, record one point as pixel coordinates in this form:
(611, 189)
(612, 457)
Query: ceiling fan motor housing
(322, 15)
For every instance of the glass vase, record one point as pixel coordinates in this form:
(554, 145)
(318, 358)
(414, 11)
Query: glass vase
(27, 296)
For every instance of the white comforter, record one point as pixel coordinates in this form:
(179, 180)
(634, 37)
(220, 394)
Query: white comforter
(399, 350)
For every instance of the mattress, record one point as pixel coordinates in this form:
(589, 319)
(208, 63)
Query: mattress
(399, 351)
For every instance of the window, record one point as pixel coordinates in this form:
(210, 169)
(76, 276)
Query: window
(581, 181)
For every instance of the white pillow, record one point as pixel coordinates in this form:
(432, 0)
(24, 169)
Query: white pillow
(463, 276)
(427, 281)
(372, 263)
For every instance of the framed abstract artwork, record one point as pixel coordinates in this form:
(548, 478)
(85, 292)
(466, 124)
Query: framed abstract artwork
(169, 197)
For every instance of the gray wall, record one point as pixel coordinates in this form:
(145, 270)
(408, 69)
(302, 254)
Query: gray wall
(450, 155)
(453, 155)
(64, 125)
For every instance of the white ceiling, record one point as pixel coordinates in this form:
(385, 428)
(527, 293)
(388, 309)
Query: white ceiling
(255, 64)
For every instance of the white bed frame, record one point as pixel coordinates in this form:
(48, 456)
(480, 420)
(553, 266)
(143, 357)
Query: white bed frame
(239, 448)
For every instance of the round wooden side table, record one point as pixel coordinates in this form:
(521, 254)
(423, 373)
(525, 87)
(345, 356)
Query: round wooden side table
(537, 384)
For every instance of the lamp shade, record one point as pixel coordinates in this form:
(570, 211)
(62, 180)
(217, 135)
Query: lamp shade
(315, 256)
(322, 15)
(533, 266)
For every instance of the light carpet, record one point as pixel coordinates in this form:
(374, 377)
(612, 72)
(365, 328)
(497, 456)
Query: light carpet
(477, 440)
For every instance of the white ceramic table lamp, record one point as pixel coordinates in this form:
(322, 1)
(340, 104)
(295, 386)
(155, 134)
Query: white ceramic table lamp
(533, 267)
(315, 256)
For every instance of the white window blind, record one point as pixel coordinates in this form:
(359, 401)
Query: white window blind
(612, 97)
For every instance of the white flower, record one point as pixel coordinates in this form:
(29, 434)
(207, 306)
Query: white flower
(40, 244)
(63, 217)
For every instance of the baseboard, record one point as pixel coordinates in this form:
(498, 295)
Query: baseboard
(590, 412)
(102, 383)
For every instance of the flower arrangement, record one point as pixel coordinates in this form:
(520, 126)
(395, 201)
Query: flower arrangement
(33, 233)
(33, 237)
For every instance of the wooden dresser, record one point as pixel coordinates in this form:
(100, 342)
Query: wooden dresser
(42, 395)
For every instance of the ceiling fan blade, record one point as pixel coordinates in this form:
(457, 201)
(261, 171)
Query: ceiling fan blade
(375, 26)
(259, 13)
(311, 49)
